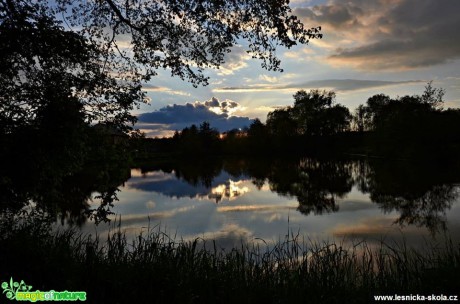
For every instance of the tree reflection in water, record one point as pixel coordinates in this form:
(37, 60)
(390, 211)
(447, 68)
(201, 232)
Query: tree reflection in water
(421, 194)
(69, 198)
(315, 184)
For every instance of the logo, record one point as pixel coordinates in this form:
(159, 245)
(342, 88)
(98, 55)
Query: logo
(22, 292)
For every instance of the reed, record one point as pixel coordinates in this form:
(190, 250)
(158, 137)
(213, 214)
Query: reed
(155, 267)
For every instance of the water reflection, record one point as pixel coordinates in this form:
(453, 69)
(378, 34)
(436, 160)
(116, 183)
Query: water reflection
(89, 193)
(230, 190)
(315, 184)
(340, 197)
(420, 195)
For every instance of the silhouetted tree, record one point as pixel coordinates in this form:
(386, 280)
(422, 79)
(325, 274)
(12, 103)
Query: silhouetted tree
(281, 124)
(41, 62)
(433, 96)
(410, 126)
(186, 36)
(360, 119)
(336, 119)
(209, 138)
(374, 110)
(316, 114)
(307, 106)
(234, 142)
(198, 141)
(257, 140)
(257, 129)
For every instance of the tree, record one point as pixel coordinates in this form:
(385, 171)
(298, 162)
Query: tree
(281, 124)
(410, 126)
(257, 130)
(374, 110)
(382, 112)
(359, 118)
(316, 114)
(187, 36)
(433, 96)
(257, 137)
(42, 63)
(86, 60)
(209, 138)
(336, 119)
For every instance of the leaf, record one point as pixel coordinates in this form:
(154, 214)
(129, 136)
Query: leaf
(9, 295)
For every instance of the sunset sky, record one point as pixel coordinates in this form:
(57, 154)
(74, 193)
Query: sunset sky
(369, 47)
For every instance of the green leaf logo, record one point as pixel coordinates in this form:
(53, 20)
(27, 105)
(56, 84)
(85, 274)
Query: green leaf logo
(13, 287)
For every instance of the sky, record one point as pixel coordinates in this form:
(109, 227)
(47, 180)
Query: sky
(369, 47)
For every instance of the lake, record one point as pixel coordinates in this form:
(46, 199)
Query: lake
(234, 201)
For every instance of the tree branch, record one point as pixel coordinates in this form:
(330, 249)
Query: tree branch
(121, 17)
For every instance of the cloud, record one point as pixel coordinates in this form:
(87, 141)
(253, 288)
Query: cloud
(330, 84)
(234, 61)
(176, 117)
(336, 15)
(269, 79)
(152, 88)
(228, 237)
(388, 34)
(222, 187)
(354, 84)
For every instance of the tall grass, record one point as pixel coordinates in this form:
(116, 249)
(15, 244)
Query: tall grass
(158, 268)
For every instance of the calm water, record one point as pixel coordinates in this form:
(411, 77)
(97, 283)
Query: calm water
(234, 201)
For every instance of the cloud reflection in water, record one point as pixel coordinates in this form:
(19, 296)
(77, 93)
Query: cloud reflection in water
(183, 199)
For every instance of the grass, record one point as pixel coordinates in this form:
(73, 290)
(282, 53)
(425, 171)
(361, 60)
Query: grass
(157, 268)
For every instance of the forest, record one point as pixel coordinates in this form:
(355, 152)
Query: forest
(407, 127)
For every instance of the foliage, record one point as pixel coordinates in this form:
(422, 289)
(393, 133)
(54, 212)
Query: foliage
(43, 64)
(408, 127)
(381, 111)
(43, 61)
(198, 271)
(411, 126)
(186, 36)
(316, 114)
(281, 124)
(67, 86)
(198, 141)
(313, 114)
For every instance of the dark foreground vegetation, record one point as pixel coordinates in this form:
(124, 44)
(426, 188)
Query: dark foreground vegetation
(156, 268)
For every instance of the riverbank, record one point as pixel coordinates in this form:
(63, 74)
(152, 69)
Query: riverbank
(158, 268)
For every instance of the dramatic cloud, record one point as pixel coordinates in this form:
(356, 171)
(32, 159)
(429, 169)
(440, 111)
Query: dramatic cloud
(336, 15)
(176, 117)
(388, 34)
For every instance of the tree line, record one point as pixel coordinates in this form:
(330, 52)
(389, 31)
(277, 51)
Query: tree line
(414, 126)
